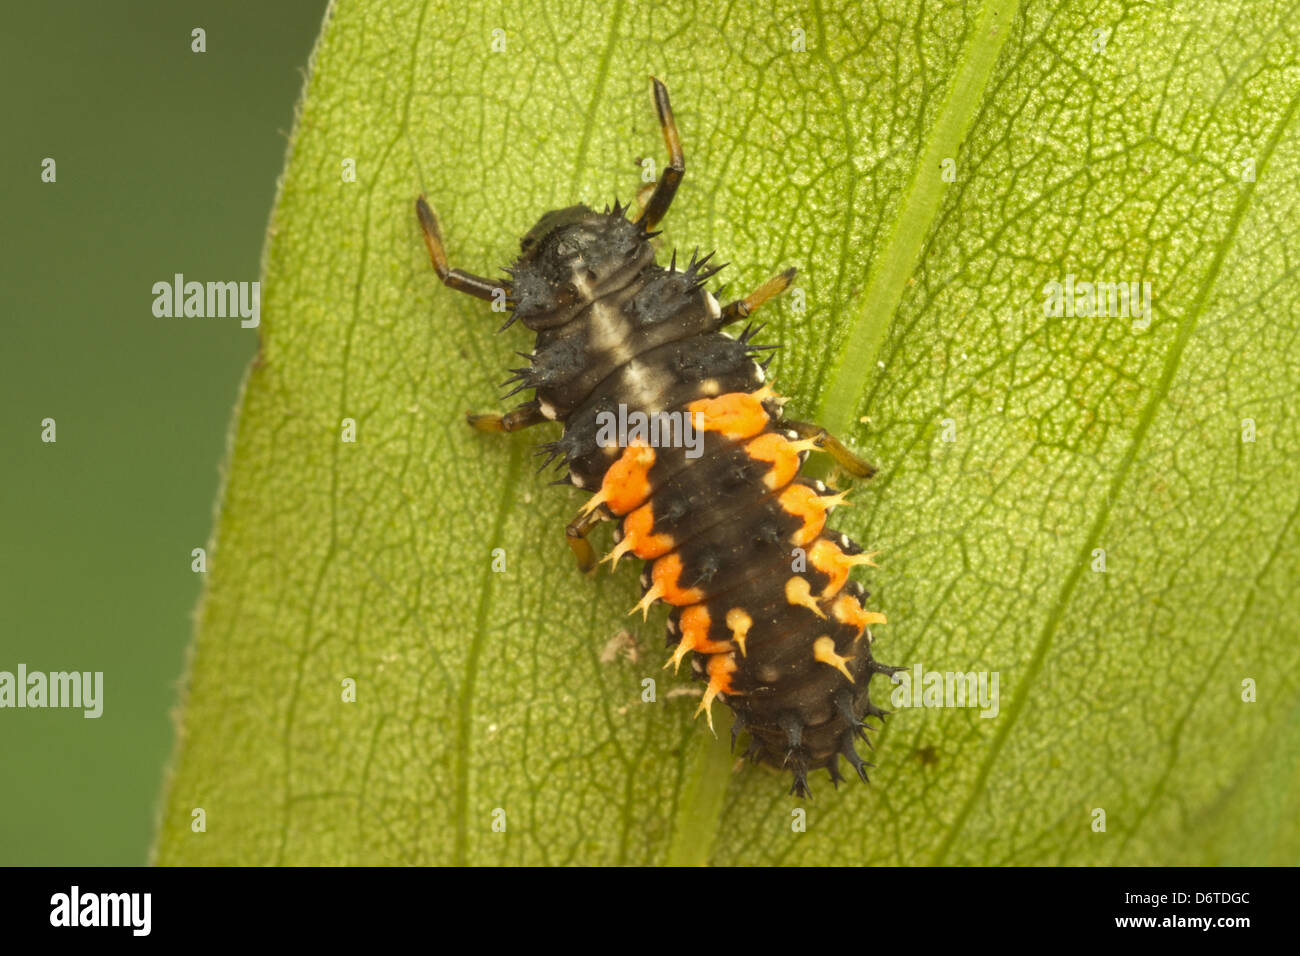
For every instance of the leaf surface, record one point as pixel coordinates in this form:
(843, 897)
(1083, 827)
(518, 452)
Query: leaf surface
(1014, 445)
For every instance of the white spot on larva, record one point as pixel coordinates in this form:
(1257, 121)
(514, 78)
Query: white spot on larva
(609, 332)
(578, 480)
(715, 310)
(639, 375)
(759, 375)
(582, 283)
(548, 411)
(710, 387)
(645, 384)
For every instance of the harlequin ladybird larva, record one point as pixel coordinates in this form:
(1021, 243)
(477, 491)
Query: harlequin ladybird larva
(733, 537)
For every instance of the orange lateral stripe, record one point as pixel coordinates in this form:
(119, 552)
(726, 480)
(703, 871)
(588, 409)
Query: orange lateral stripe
(721, 667)
(627, 483)
(849, 611)
(638, 529)
(802, 502)
(695, 622)
(734, 415)
(665, 572)
(832, 562)
(777, 449)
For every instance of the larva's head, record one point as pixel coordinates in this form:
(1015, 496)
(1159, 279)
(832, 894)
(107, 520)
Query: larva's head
(572, 257)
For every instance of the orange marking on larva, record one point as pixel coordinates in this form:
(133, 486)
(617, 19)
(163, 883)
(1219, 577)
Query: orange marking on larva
(836, 500)
(647, 599)
(734, 415)
(620, 549)
(721, 667)
(666, 573)
(849, 611)
(683, 648)
(639, 528)
(802, 502)
(695, 623)
(781, 452)
(824, 651)
(799, 591)
(832, 562)
(627, 482)
(687, 642)
(740, 623)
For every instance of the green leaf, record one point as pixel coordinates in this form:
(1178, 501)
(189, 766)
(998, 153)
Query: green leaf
(1111, 157)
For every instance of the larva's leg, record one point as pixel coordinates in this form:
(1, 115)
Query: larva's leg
(657, 206)
(576, 534)
(456, 279)
(741, 308)
(828, 443)
(643, 196)
(521, 416)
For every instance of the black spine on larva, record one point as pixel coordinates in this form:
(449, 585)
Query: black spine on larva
(614, 328)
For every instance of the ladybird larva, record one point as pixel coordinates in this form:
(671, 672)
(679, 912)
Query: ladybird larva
(733, 536)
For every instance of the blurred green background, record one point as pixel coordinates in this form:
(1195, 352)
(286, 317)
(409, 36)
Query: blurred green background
(166, 162)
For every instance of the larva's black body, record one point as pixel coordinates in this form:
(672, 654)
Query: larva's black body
(733, 537)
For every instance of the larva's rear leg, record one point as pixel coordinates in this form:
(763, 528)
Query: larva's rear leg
(657, 205)
(828, 443)
(643, 196)
(576, 534)
(521, 416)
(741, 308)
(457, 279)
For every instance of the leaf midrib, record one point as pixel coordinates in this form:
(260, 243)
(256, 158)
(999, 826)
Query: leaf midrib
(900, 252)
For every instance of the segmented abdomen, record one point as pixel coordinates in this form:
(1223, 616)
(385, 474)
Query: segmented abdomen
(736, 541)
